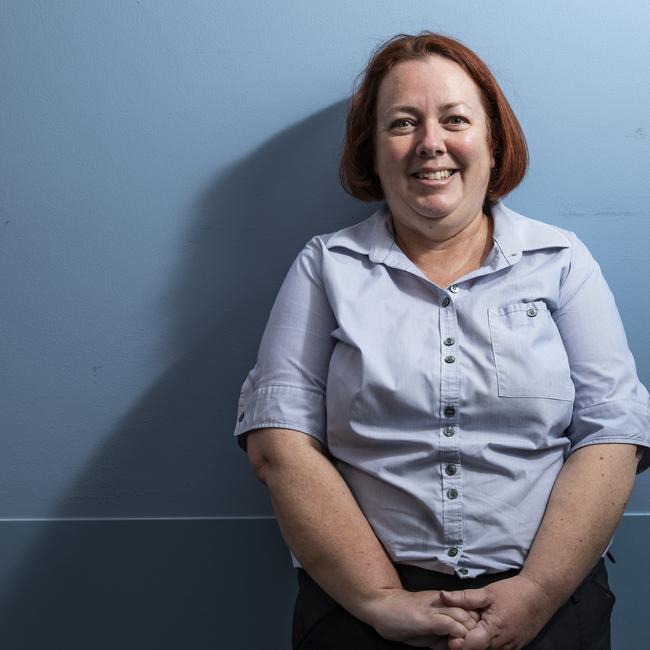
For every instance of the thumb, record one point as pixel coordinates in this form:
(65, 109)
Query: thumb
(466, 598)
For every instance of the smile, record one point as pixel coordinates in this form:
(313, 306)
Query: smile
(438, 175)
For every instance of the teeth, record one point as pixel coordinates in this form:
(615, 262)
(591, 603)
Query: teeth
(435, 176)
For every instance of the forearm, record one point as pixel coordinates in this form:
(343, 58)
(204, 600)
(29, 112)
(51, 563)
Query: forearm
(584, 508)
(327, 531)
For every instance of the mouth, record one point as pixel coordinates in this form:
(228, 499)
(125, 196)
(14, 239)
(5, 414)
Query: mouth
(437, 175)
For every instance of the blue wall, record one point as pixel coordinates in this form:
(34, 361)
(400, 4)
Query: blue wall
(161, 164)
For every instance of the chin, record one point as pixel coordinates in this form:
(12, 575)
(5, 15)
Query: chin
(434, 212)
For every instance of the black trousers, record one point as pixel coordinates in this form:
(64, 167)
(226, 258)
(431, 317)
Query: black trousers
(582, 623)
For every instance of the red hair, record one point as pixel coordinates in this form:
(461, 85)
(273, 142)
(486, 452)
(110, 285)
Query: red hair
(507, 140)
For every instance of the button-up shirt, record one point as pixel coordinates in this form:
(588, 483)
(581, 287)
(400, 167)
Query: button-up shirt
(448, 411)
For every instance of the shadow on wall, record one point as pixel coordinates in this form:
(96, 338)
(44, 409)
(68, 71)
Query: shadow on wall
(174, 453)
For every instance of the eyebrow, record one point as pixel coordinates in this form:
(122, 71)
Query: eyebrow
(416, 111)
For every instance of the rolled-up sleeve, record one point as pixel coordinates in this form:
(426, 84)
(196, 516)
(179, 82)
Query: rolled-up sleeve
(286, 388)
(611, 405)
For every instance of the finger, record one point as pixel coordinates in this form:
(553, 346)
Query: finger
(445, 625)
(467, 598)
(455, 644)
(474, 614)
(477, 639)
(461, 615)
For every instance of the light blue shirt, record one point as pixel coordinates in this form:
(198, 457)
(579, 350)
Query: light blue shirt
(448, 411)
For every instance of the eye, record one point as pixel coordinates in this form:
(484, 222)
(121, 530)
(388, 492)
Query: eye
(457, 120)
(401, 123)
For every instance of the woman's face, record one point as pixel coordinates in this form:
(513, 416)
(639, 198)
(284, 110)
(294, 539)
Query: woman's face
(432, 153)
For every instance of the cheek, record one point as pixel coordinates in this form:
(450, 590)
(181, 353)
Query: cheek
(394, 154)
(475, 153)
(473, 145)
(386, 159)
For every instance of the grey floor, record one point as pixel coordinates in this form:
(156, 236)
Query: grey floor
(195, 584)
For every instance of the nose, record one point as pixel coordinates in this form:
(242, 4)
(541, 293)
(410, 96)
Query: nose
(432, 141)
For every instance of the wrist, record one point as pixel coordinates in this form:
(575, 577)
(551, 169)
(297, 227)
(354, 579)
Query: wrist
(543, 592)
(371, 608)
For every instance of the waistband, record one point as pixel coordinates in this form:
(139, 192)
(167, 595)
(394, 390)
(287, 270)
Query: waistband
(415, 578)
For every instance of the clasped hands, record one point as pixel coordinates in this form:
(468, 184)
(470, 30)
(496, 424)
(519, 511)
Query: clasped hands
(506, 614)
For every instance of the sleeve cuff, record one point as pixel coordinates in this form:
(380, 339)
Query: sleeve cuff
(283, 407)
(623, 421)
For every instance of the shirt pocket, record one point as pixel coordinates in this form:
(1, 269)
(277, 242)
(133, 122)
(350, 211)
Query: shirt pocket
(529, 353)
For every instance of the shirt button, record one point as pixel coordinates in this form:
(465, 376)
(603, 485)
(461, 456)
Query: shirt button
(532, 312)
(450, 359)
(450, 411)
(452, 494)
(452, 552)
(450, 469)
(449, 431)
(453, 288)
(463, 571)
(449, 341)
(445, 301)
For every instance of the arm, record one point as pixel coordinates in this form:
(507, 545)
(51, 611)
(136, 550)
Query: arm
(608, 430)
(327, 532)
(584, 508)
(284, 396)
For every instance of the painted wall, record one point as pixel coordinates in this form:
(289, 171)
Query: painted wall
(161, 164)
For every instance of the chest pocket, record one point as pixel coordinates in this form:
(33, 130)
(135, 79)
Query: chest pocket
(528, 352)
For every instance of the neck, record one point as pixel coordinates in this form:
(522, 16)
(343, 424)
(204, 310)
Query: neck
(446, 259)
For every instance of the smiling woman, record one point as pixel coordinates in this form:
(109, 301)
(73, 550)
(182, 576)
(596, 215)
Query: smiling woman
(432, 408)
(434, 159)
(433, 155)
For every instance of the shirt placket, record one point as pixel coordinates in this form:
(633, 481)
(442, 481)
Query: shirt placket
(450, 431)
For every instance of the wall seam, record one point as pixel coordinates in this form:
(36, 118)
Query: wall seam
(200, 518)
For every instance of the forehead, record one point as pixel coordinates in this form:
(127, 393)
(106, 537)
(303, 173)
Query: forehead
(431, 79)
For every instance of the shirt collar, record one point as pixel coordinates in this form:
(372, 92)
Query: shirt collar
(374, 236)
(513, 235)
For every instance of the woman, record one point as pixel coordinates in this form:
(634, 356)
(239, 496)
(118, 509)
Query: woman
(444, 407)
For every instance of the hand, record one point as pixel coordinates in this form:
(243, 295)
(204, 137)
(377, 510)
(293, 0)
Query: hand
(418, 618)
(513, 611)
